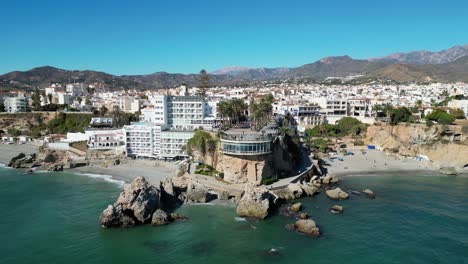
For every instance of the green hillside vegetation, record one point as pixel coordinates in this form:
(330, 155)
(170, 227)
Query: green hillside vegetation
(201, 141)
(441, 116)
(347, 126)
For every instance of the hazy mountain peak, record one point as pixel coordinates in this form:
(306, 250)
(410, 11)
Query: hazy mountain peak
(230, 70)
(335, 59)
(427, 57)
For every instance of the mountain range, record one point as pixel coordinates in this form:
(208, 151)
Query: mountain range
(449, 65)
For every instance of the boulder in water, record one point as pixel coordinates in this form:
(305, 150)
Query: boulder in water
(295, 207)
(115, 217)
(369, 193)
(336, 209)
(337, 194)
(197, 193)
(256, 202)
(159, 218)
(23, 161)
(308, 227)
(136, 204)
(303, 216)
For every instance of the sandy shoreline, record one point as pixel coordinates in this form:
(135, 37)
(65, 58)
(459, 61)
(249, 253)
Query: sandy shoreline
(372, 163)
(130, 170)
(9, 151)
(127, 171)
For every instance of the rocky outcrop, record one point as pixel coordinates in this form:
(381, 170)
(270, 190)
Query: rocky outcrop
(160, 218)
(296, 190)
(256, 202)
(253, 168)
(336, 209)
(295, 207)
(369, 193)
(23, 161)
(140, 199)
(308, 227)
(197, 193)
(329, 179)
(337, 194)
(136, 204)
(114, 216)
(443, 148)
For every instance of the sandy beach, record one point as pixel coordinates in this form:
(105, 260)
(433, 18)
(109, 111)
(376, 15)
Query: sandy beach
(130, 169)
(9, 151)
(153, 171)
(376, 162)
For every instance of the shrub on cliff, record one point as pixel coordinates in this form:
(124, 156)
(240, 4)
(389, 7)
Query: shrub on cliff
(398, 115)
(64, 123)
(440, 116)
(201, 141)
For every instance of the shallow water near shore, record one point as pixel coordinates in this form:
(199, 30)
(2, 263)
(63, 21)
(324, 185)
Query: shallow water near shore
(53, 218)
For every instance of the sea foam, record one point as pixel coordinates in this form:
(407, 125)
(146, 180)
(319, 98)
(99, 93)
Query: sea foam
(107, 178)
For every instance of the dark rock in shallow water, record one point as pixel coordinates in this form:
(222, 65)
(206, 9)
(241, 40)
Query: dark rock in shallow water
(336, 209)
(135, 205)
(307, 227)
(23, 161)
(177, 217)
(159, 218)
(197, 193)
(337, 194)
(256, 202)
(295, 207)
(57, 167)
(369, 193)
(290, 227)
(115, 217)
(303, 216)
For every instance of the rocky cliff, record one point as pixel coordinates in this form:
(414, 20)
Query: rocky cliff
(285, 156)
(445, 146)
(25, 121)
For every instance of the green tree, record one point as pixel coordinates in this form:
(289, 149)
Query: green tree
(2, 106)
(398, 115)
(36, 100)
(349, 126)
(440, 116)
(203, 83)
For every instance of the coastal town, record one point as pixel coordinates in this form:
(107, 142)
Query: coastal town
(254, 145)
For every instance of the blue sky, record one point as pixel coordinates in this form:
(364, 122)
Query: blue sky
(142, 36)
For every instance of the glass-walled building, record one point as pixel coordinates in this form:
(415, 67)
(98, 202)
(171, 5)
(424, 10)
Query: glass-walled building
(245, 143)
(245, 148)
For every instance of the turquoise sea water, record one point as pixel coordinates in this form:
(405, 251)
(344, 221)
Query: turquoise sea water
(53, 218)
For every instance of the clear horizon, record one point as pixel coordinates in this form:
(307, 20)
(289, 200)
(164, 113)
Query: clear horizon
(125, 38)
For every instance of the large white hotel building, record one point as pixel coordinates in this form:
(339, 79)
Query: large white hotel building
(166, 127)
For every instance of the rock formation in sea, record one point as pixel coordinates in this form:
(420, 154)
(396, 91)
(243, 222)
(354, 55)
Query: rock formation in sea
(141, 203)
(337, 194)
(23, 161)
(308, 227)
(256, 202)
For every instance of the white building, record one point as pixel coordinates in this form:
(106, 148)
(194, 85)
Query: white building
(16, 104)
(167, 126)
(461, 104)
(129, 104)
(139, 140)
